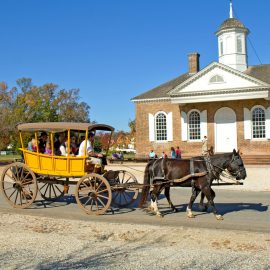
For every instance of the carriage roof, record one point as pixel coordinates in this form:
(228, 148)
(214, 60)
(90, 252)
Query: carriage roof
(62, 126)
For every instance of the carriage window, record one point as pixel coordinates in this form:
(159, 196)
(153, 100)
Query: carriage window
(258, 123)
(161, 127)
(194, 126)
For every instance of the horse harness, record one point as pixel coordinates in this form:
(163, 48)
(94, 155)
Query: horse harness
(161, 178)
(211, 171)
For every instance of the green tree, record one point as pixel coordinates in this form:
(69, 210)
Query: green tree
(30, 103)
(6, 125)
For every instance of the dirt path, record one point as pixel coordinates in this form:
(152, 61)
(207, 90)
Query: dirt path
(28, 242)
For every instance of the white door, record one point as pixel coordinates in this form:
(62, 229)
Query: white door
(225, 130)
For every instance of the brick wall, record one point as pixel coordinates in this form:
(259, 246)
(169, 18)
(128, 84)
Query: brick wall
(143, 145)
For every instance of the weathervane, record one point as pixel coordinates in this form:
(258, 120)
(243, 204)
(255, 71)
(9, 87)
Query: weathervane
(231, 9)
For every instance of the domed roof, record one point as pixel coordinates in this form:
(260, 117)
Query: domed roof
(231, 23)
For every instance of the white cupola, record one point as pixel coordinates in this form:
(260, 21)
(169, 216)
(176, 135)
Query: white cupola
(232, 49)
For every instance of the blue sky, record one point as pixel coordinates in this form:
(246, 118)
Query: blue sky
(113, 50)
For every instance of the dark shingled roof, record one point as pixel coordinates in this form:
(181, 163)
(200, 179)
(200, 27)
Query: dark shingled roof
(162, 90)
(260, 72)
(231, 23)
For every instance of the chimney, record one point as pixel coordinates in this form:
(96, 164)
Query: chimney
(193, 63)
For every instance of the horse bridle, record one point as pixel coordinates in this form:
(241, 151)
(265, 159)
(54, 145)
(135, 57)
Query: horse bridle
(211, 167)
(239, 162)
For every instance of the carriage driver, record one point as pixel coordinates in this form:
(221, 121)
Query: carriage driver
(94, 158)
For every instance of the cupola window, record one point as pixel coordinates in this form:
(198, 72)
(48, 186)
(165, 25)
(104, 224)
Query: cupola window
(239, 44)
(221, 47)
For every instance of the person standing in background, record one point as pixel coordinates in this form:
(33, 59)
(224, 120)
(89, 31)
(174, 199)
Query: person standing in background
(204, 146)
(164, 155)
(173, 153)
(178, 153)
(152, 154)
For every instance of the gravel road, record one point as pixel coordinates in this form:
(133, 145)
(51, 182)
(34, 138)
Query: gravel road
(29, 242)
(42, 242)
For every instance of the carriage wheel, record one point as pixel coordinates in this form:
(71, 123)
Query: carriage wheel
(51, 191)
(19, 185)
(125, 196)
(93, 194)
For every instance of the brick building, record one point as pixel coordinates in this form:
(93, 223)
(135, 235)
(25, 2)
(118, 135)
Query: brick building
(228, 101)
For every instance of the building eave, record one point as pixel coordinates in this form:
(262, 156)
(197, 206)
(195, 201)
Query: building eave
(221, 91)
(224, 95)
(151, 100)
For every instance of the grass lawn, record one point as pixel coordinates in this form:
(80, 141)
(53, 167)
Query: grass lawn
(9, 157)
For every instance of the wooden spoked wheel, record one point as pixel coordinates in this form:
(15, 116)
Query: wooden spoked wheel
(93, 194)
(125, 194)
(51, 191)
(19, 185)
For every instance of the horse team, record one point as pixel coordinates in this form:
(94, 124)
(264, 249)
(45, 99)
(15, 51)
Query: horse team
(197, 173)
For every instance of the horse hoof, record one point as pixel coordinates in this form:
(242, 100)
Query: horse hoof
(190, 216)
(219, 217)
(160, 215)
(148, 210)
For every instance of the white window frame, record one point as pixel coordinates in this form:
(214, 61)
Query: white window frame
(265, 116)
(155, 126)
(188, 126)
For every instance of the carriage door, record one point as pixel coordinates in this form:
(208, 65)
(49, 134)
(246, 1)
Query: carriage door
(225, 130)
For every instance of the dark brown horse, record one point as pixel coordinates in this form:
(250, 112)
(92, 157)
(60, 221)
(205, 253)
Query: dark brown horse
(162, 172)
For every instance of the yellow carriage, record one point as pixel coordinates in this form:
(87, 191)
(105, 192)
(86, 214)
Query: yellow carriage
(52, 174)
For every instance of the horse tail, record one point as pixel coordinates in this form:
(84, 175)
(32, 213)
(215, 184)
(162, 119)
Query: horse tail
(146, 183)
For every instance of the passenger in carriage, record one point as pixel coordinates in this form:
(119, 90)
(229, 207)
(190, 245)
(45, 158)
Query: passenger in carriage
(42, 142)
(95, 158)
(74, 146)
(59, 140)
(48, 149)
(63, 148)
(32, 145)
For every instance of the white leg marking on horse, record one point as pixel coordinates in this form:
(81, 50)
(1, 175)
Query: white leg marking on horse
(155, 206)
(189, 213)
(219, 217)
(152, 206)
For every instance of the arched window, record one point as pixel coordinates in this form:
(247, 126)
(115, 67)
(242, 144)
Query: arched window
(216, 79)
(258, 123)
(194, 126)
(161, 127)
